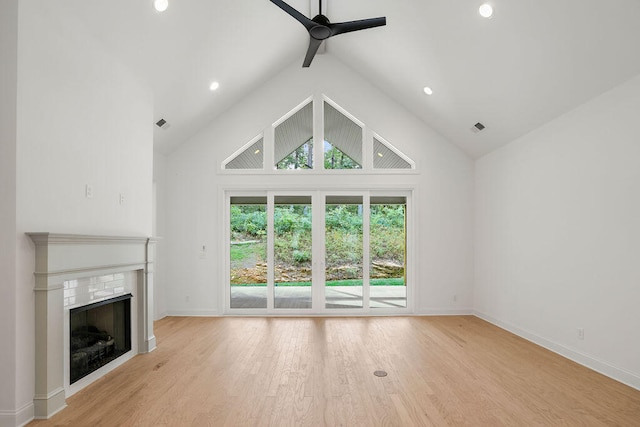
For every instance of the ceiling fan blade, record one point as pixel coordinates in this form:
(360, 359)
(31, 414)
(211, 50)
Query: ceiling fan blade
(362, 24)
(311, 52)
(308, 23)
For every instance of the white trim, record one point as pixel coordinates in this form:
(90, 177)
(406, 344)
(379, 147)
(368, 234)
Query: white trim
(317, 99)
(359, 172)
(44, 238)
(366, 251)
(342, 110)
(395, 151)
(224, 294)
(318, 134)
(269, 147)
(411, 232)
(241, 150)
(444, 312)
(77, 272)
(195, 313)
(270, 211)
(618, 374)
(318, 245)
(293, 111)
(20, 417)
(333, 314)
(318, 291)
(60, 257)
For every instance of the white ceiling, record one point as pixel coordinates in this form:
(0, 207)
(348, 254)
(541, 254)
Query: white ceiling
(532, 61)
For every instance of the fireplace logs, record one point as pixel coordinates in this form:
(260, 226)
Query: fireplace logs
(89, 347)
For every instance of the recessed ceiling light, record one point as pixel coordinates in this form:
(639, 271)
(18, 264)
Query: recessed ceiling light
(214, 86)
(380, 155)
(160, 5)
(257, 151)
(428, 90)
(485, 10)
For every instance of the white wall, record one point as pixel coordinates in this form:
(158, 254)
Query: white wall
(558, 234)
(444, 188)
(82, 118)
(8, 85)
(159, 215)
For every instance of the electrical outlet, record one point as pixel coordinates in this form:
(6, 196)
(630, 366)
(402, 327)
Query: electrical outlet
(121, 199)
(88, 191)
(580, 333)
(455, 298)
(186, 298)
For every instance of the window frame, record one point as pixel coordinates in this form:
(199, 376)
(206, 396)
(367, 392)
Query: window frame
(318, 100)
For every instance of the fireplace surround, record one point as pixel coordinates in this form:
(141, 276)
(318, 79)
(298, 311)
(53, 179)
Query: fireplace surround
(72, 271)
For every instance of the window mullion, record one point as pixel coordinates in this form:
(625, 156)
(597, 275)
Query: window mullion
(366, 206)
(270, 251)
(318, 133)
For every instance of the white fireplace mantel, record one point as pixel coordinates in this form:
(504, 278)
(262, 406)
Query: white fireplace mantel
(63, 257)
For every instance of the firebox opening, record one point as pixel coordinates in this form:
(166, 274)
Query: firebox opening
(99, 333)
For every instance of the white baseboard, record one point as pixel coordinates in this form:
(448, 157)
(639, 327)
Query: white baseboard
(194, 313)
(618, 374)
(445, 312)
(423, 312)
(18, 418)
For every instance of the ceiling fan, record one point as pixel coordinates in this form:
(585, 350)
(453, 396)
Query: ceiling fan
(320, 28)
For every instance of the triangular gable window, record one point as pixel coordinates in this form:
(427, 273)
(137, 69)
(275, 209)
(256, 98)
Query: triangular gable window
(387, 157)
(249, 157)
(300, 158)
(342, 140)
(293, 143)
(344, 143)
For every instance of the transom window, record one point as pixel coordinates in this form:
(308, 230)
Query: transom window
(293, 140)
(342, 140)
(344, 143)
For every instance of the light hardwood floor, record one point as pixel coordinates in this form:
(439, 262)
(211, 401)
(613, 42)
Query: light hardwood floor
(319, 372)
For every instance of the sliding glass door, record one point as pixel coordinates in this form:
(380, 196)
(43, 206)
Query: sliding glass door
(317, 252)
(248, 252)
(292, 252)
(344, 261)
(387, 252)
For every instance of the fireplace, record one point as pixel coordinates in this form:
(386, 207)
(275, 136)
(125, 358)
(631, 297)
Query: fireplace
(82, 284)
(99, 333)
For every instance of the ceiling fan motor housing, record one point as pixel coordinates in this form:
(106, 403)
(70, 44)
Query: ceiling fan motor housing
(322, 30)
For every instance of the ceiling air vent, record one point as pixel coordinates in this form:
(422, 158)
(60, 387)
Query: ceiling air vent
(477, 127)
(162, 124)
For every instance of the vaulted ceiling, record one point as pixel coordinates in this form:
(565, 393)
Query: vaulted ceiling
(532, 61)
